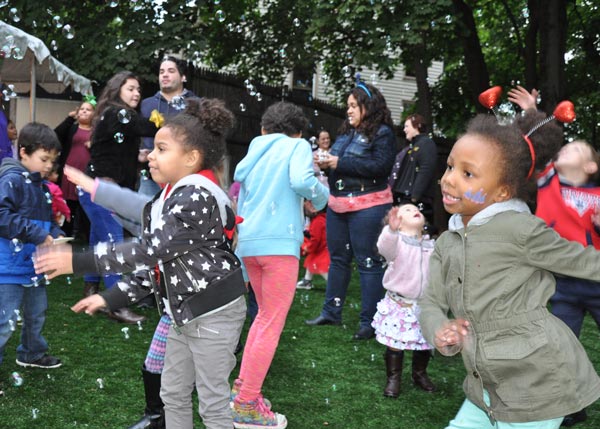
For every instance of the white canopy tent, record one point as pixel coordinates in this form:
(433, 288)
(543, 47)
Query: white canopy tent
(34, 65)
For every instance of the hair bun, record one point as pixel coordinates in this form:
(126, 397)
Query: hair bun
(212, 113)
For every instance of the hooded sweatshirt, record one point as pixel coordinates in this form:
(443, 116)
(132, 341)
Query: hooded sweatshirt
(276, 176)
(25, 221)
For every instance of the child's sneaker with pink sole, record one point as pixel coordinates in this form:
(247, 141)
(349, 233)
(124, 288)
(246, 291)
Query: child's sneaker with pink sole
(256, 415)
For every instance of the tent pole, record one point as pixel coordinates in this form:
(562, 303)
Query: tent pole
(32, 91)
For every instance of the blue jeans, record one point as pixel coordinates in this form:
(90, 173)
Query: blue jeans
(354, 234)
(33, 302)
(103, 228)
(573, 298)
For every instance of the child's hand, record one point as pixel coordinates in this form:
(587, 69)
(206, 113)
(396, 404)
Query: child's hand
(330, 162)
(89, 305)
(522, 98)
(79, 178)
(394, 220)
(53, 260)
(452, 334)
(48, 241)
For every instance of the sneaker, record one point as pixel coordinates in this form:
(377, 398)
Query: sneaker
(235, 390)
(45, 361)
(255, 415)
(304, 284)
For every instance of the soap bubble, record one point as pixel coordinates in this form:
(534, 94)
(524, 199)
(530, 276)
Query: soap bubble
(139, 324)
(34, 413)
(17, 380)
(368, 263)
(296, 22)
(69, 281)
(220, 15)
(258, 96)
(178, 102)
(17, 54)
(53, 45)
(14, 14)
(119, 138)
(124, 116)
(16, 245)
(57, 21)
(112, 3)
(68, 32)
(339, 185)
(27, 179)
(316, 112)
(125, 331)
(242, 107)
(100, 383)
(347, 71)
(337, 301)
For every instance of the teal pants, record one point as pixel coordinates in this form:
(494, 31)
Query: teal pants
(470, 416)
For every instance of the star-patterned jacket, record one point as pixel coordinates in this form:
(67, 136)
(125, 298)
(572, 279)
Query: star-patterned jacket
(184, 234)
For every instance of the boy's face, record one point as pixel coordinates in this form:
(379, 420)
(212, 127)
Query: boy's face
(574, 155)
(40, 161)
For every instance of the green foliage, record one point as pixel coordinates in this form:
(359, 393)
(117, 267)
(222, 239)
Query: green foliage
(264, 40)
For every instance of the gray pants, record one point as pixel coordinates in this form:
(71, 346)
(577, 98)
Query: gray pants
(202, 355)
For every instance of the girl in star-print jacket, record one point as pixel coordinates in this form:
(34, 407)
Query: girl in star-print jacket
(186, 231)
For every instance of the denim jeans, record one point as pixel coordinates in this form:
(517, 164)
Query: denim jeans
(103, 228)
(573, 298)
(354, 234)
(33, 302)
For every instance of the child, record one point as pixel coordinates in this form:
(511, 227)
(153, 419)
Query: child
(407, 253)
(275, 176)
(26, 221)
(60, 209)
(185, 231)
(13, 135)
(314, 246)
(493, 271)
(568, 200)
(117, 129)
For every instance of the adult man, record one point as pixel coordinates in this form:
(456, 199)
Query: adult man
(168, 101)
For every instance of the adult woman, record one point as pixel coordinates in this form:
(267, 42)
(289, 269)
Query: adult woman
(75, 134)
(117, 129)
(415, 178)
(359, 163)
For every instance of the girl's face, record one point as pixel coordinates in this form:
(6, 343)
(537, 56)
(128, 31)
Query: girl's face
(324, 140)
(472, 178)
(11, 131)
(355, 112)
(409, 130)
(169, 161)
(411, 217)
(130, 93)
(85, 113)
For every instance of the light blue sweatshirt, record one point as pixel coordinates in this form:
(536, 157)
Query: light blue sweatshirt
(276, 177)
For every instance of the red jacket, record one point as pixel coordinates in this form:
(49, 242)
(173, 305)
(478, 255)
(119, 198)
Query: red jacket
(568, 209)
(315, 247)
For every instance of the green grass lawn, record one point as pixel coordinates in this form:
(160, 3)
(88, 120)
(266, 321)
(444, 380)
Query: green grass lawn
(320, 378)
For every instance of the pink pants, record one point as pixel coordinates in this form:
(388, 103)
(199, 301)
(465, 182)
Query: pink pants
(273, 280)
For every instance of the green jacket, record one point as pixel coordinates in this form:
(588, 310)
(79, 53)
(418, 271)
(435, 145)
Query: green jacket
(497, 274)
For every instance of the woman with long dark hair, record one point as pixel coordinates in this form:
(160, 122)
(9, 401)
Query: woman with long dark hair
(117, 129)
(359, 163)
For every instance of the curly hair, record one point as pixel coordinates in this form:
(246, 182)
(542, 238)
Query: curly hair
(203, 126)
(285, 118)
(514, 151)
(374, 107)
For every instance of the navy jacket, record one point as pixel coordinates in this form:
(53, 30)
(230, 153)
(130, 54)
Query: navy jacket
(363, 166)
(158, 102)
(25, 221)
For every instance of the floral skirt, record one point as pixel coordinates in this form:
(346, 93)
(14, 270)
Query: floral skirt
(396, 324)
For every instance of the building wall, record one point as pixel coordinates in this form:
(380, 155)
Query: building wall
(48, 111)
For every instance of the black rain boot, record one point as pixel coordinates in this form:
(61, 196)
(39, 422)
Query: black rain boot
(90, 288)
(154, 416)
(573, 419)
(393, 366)
(420, 361)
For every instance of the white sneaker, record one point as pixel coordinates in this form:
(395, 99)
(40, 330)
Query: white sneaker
(304, 284)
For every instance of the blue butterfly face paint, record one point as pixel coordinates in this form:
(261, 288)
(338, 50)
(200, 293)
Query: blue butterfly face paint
(477, 197)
